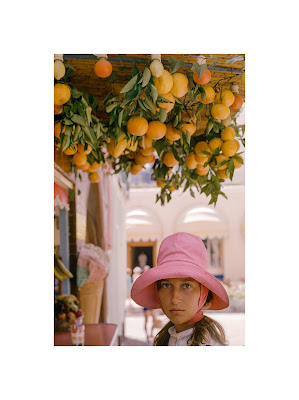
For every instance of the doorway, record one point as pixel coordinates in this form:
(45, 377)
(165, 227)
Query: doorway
(136, 248)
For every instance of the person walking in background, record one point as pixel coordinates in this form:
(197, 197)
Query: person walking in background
(142, 259)
(129, 281)
(182, 286)
(148, 312)
(136, 273)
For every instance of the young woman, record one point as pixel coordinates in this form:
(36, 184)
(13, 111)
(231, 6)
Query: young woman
(182, 286)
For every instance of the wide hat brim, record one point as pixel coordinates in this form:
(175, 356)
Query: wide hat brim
(143, 292)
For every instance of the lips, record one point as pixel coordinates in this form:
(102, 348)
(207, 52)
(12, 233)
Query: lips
(176, 311)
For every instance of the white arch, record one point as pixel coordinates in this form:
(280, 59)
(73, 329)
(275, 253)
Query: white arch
(203, 221)
(142, 224)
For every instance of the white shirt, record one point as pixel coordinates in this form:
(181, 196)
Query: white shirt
(181, 338)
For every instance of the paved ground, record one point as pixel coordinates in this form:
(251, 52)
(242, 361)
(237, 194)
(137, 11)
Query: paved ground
(233, 324)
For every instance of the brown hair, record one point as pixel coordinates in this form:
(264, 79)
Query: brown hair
(203, 330)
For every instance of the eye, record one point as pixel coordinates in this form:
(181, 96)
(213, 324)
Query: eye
(165, 285)
(186, 286)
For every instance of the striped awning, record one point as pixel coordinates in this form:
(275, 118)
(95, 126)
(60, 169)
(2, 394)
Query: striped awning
(142, 225)
(202, 221)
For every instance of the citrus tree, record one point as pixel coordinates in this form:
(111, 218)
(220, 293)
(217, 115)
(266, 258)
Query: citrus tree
(156, 119)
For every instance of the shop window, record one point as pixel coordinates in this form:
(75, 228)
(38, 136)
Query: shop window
(214, 248)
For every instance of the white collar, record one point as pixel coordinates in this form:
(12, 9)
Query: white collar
(179, 335)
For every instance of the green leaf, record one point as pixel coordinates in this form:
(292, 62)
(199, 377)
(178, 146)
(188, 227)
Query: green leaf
(141, 105)
(89, 135)
(135, 70)
(238, 158)
(199, 69)
(172, 61)
(65, 143)
(188, 137)
(154, 93)
(77, 119)
(68, 130)
(88, 114)
(67, 121)
(146, 77)
(178, 64)
(163, 115)
(199, 107)
(149, 105)
(233, 60)
(84, 102)
(129, 85)
(111, 107)
(176, 121)
(120, 116)
(159, 145)
(75, 93)
(76, 133)
(203, 92)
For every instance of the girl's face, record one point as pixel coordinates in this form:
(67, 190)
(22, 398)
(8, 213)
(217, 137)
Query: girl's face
(179, 298)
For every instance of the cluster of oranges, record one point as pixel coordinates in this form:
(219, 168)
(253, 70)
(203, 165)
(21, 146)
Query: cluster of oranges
(202, 156)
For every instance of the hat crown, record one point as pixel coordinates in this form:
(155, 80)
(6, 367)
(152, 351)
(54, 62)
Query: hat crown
(183, 247)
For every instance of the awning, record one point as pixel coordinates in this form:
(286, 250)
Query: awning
(202, 221)
(142, 225)
(61, 197)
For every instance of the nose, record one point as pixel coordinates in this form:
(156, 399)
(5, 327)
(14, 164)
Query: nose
(176, 297)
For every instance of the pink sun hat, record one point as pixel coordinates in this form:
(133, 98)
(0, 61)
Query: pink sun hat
(181, 255)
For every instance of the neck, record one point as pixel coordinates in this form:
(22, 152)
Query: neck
(183, 327)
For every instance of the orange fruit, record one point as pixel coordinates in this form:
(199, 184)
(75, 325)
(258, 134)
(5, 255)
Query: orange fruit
(169, 159)
(57, 109)
(156, 68)
(172, 133)
(188, 115)
(214, 143)
(62, 94)
(140, 159)
(204, 79)
(117, 150)
(202, 146)
(191, 128)
(131, 146)
(226, 121)
(201, 159)
(228, 133)
(94, 177)
(156, 130)
(220, 111)
(137, 126)
(210, 95)
(57, 129)
(171, 188)
(167, 106)
(221, 158)
(147, 142)
(191, 161)
(237, 143)
(94, 167)
(103, 68)
(237, 163)
(238, 102)
(82, 151)
(202, 171)
(70, 151)
(180, 85)
(229, 148)
(164, 83)
(161, 182)
(143, 96)
(148, 151)
(135, 169)
(222, 173)
(79, 159)
(84, 167)
(225, 97)
(59, 69)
